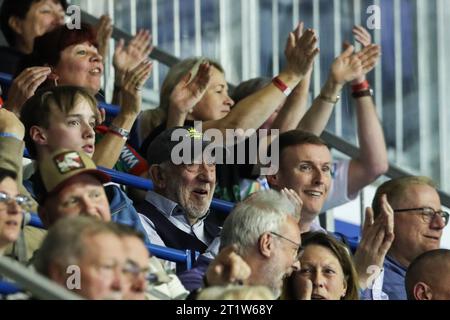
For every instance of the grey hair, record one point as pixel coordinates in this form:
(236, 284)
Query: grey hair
(65, 242)
(263, 211)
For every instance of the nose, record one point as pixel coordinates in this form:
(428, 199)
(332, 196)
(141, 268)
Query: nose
(319, 177)
(118, 280)
(88, 206)
(58, 18)
(88, 131)
(228, 101)
(437, 222)
(317, 279)
(13, 207)
(139, 284)
(207, 173)
(95, 56)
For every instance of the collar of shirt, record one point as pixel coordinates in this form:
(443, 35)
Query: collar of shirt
(168, 207)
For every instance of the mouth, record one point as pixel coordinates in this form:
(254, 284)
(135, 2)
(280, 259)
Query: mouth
(434, 238)
(201, 192)
(89, 148)
(12, 223)
(313, 193)
(96, 71)
(317, 297)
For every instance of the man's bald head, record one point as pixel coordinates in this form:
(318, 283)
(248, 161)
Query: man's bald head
(428, 278)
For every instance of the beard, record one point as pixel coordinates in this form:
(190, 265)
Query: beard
(273, 277)
(193, 208)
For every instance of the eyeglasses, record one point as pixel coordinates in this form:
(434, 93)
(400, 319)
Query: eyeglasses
(23, 201)
(300, 249)
(133, 269)
(428, 214)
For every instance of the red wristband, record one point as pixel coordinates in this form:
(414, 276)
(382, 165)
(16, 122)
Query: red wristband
(361, 86)
(282, 86)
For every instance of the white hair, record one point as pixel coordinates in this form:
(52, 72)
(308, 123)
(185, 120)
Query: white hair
(264, 211)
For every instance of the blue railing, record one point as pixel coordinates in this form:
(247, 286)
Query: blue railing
(7, 288)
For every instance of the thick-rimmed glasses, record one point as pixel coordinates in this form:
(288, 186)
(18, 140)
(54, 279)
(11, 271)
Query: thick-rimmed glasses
(23, 201)
(300, 249)
(428, 214)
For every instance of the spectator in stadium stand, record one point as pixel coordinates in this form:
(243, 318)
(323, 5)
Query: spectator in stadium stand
(327, 271)
(11, 143)
(427, 277)
(64, 117)
(70, 57)
(74, 187)
(149, 281)
(349, 176)
(21, 22)
(13, 206)
(306, 169)
(419, 223)
(185, 101)
(92, 245)
(263, 231)
(176, 213)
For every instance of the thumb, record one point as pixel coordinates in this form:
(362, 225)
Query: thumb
(345, 45)
(306, 293)
(348, 51)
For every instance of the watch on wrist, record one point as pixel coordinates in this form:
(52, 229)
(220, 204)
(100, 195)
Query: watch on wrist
(329, 99)
(119, 131)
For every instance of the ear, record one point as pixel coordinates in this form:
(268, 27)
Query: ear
(15, 24)
(157, 176)
(38, 135)
(265, 245)
(422, 291)
(344, 291)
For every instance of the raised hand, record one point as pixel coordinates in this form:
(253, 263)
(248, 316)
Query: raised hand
(300, 51)
(128, 57)
(376, 240)
(227, 268)
(369, 57)
(133, 82)
(104, 32)
(24, 86)
(362, 35)
(295, 199)
(346, 67)
(189, 91)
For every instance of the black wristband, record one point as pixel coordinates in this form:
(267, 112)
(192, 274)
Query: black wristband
(363, 93)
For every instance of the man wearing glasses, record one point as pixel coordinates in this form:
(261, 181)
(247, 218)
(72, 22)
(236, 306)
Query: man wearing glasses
(265, 232)
(418, 225)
